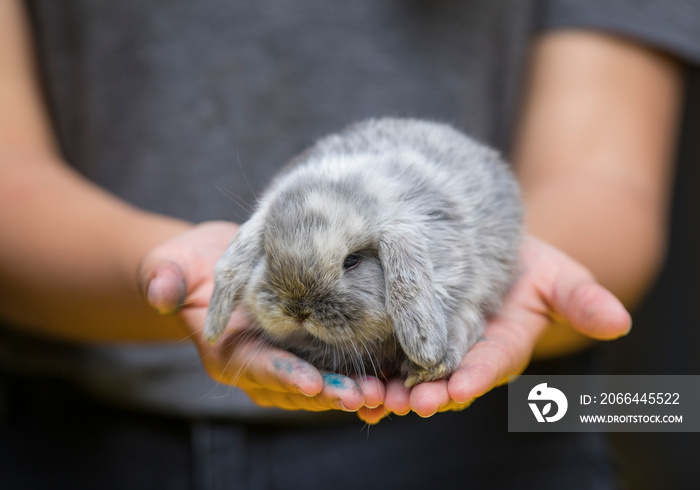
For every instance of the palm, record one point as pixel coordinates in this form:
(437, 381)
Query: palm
(551, 288)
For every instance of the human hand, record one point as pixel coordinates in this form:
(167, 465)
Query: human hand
(552, 289)
(177, 277)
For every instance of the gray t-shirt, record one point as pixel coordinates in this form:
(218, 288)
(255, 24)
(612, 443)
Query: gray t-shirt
(188, 108)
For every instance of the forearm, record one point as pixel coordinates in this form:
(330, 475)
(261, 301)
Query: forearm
(70, 253)
(612, 231)
(594, 159)
(612, 235)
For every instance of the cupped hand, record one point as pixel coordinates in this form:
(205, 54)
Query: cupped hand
(551, 289)
(177, 277)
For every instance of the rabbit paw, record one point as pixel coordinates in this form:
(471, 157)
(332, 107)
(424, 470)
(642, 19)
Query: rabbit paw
(417, 374)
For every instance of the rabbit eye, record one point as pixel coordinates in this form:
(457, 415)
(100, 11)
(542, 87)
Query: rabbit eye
(351, 261)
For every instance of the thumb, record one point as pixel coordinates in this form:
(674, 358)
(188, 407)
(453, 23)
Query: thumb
(164, 285)
(590, 308)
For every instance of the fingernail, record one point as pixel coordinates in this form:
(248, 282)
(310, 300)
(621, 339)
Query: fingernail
(428, 416)
(298, 390)
(167, 290)
(629, 329)
(337, 403)
(156, 296)
(466, 404)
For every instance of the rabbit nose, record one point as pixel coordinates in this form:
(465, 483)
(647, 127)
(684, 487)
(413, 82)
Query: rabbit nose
(301, 317)
(297, 311)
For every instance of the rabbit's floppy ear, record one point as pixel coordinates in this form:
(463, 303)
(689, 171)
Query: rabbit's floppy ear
(411, 300)
(231, 275)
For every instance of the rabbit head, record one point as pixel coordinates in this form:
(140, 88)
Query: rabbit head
(324, 272)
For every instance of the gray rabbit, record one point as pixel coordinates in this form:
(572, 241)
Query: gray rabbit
(382, 248)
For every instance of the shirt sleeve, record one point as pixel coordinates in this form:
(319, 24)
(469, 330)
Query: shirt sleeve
(669, 25)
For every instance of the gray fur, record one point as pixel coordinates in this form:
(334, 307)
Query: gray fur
(437, 220)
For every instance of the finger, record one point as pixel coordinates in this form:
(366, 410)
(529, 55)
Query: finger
(372, 389)
(572, 293)
(251, 363)
(341, 392)
(372, 416)
(591, 309)
(164, 285)
(428, 398)
(397, 398)
(287, 401)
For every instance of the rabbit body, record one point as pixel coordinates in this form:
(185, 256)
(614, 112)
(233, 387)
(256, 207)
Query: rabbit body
(382, 248)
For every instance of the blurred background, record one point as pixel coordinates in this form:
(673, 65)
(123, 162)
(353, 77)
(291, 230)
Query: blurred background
(665, 338)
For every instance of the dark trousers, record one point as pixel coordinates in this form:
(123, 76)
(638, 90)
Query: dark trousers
(54, 437)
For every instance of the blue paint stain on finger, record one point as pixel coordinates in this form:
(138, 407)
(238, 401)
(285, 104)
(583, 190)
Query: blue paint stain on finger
(283, 365)
(297, 375)
(291, 365)
(334, 380)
